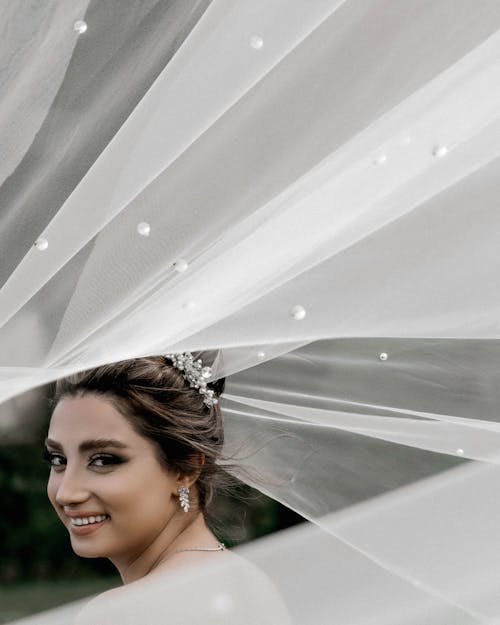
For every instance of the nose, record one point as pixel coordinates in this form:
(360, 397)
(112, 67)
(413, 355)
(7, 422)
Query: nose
(70, 488)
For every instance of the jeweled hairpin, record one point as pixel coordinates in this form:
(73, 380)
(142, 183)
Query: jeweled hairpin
(196, 374)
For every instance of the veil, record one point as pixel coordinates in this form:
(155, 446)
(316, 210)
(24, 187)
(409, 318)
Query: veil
(311, 190)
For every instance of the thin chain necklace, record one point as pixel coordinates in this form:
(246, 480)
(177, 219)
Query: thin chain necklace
(220, 547)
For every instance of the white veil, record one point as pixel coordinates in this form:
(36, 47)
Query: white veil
(311, 189)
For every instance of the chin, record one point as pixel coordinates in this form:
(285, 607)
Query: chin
(87, 552)
(87, 549)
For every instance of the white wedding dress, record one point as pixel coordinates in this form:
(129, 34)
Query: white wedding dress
(229, 590)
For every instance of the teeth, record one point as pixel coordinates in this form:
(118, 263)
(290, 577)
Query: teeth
(88, 520)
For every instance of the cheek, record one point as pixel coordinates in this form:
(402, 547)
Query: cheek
(138, 499)
(52, 486)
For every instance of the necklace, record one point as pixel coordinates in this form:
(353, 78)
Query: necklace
(220, 547)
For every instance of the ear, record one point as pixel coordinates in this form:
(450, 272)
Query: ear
(189, 479)
(198, 461)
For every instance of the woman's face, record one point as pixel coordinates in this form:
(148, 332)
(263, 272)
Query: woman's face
(106, 483)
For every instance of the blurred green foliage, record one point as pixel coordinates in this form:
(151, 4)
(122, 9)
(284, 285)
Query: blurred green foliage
(19, 599)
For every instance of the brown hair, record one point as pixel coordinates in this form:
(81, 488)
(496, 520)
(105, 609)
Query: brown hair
(160, 405)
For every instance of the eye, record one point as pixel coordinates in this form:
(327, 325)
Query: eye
(104, 460)
(56, 461)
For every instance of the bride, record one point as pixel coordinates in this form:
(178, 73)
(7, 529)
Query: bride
(133, 449)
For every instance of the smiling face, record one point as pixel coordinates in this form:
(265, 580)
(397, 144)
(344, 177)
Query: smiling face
(100, 467)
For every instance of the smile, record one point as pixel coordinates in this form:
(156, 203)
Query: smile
(80, 526)
(90, 520)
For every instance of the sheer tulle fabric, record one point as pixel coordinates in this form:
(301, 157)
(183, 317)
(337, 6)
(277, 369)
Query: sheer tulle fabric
(329, 173)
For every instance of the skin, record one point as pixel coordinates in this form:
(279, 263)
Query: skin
(126, 482)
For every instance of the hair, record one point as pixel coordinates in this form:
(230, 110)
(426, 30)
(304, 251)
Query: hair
(159, 404)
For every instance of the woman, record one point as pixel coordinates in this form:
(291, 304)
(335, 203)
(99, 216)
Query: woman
(133, 449)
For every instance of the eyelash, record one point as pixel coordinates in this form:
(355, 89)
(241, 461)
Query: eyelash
(106, 459)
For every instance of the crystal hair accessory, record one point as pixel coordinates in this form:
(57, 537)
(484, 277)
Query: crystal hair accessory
(196, 374)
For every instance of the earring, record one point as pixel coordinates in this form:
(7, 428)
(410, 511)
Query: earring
(183, 497)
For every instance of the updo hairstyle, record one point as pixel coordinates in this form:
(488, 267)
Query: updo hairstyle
(159, 404)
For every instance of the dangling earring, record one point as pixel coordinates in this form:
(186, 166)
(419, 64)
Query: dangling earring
(183, 497)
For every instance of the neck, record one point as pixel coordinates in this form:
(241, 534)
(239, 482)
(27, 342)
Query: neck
(179, 532)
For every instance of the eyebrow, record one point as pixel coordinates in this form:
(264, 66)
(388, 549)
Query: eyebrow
(96, 443)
